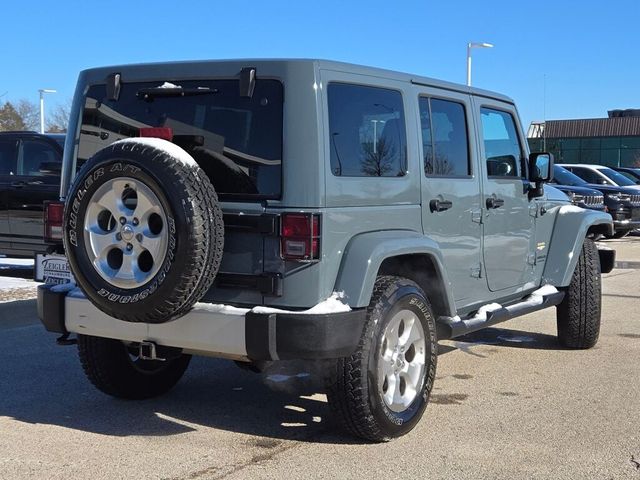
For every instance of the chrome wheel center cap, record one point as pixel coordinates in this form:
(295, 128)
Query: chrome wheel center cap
(127, 232)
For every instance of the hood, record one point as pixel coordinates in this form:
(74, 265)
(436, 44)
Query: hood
(615, 189)
(586, 191)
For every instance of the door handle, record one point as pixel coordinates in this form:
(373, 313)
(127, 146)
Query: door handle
(493, 202)
(437, 205)
(19, 184)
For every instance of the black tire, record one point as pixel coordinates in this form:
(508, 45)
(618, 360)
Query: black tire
(354, 397)
(578, 316)
(110, 367)
(195, 231)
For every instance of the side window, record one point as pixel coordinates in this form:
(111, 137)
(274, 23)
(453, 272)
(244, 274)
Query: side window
(367, 131)
(587, 175)
(444, 138)
(8, 157)
(501, 143)
(38, 159)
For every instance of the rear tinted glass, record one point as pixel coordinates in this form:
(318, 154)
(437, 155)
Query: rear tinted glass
(8, 159)
(236, 140)
(367, 129)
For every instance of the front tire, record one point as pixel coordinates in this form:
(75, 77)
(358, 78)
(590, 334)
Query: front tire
(381, 391)
(112, 369)
(578, 316)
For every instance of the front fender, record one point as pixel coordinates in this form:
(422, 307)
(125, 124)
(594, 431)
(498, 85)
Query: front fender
(366, 252)
(569, 231)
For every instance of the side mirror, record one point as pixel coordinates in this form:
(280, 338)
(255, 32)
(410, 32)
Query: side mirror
(540, 167)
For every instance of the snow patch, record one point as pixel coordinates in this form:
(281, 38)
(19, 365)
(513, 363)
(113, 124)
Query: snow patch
(15, 262)
(537, 296)
(169, 85)
(10, 283)
(482, 311)
(222, 309)
(333, 304)
(171, 148)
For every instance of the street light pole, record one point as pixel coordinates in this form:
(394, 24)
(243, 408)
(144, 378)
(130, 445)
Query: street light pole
(375, 134)
(471, 45)
(42, 92)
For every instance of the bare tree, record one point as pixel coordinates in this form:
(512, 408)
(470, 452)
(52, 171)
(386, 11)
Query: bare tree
(59, 118)
(378, 161)
(438, 166)
(30, 114)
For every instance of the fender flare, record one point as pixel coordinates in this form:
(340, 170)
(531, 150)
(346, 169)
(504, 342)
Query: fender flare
(569, 231)
(365, 253)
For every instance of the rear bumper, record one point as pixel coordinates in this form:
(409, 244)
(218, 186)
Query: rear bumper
(208, 330)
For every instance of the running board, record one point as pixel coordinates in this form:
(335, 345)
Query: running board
(451, 327)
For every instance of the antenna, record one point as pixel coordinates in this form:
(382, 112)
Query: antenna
(544, 112)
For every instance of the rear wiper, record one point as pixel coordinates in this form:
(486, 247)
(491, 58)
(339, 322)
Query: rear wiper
(154, 92)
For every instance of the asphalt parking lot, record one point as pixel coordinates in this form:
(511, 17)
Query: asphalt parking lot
(508, 402)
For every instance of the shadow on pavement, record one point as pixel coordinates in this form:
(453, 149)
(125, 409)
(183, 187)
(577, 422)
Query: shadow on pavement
(504, 337)
(44, 384)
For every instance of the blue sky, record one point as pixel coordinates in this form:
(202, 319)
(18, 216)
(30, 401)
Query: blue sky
(587, 51)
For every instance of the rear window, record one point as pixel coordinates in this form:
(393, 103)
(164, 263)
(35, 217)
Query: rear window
(367, 129)
(236, 140)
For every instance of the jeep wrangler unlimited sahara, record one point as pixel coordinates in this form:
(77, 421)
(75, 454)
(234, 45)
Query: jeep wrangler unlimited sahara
(268, 210)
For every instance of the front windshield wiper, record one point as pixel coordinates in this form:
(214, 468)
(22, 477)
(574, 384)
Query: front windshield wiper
(154, 92)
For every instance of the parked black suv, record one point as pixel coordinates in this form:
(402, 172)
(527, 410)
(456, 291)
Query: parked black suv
(30, 166)
(631, 173)
(617, 200)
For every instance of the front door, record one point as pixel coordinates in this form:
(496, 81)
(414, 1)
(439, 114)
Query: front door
(508, 221)
(451, 211)
(37, 180)
(8, 155)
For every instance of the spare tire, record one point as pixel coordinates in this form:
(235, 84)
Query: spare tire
(143, 230)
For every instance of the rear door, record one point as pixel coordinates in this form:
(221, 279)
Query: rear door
(8, 164)
(450, 186)
(235, 139)
(37, 179)
(509, 216)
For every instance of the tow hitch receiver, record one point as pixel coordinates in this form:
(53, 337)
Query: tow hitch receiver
(148, 351)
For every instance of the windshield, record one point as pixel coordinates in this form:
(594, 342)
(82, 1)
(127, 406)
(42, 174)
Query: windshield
(562, 176)
(236, 140)
(617, 177)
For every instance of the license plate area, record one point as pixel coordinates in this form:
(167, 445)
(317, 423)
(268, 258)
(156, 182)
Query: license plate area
(52, 269)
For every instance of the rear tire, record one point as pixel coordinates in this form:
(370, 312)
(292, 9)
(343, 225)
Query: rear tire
(381, 391)
(578, 316)
(109, 365)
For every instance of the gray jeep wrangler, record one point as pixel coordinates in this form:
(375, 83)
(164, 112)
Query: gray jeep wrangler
(266, 210)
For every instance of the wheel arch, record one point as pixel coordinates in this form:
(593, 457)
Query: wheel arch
(397, 252)
(572, 225)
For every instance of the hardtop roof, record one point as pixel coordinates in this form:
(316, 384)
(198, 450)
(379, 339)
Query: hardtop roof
(320, 64)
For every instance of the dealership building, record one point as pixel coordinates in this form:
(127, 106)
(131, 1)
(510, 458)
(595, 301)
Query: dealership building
(613, 141)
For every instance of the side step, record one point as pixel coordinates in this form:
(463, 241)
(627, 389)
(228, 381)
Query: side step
(451, 327)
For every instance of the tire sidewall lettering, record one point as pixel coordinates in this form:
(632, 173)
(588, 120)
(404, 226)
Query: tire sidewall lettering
(405, 298)
(75, 224)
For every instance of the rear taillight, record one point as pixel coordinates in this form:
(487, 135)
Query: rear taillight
(165, 133)
(53, 213)
(300, 236)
